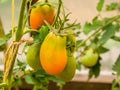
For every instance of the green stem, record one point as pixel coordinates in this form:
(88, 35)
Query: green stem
(19, 31)
(102, 27)
(10, 62)
(58, 12)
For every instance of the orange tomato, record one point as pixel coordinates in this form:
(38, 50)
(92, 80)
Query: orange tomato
(53, 56)
(41, 13)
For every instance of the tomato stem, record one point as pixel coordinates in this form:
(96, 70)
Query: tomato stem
(58, 12)
(19, 32)
(94, 33)
(13, 49)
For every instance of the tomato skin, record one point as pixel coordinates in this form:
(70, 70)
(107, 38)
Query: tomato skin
(41, 13)
(53, 56)
(69, 70)
(32, 56)
(90, 58)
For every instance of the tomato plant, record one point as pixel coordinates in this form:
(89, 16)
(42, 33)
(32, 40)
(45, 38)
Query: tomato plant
(57, 48)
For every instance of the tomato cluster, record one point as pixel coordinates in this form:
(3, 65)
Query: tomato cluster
(53, 53)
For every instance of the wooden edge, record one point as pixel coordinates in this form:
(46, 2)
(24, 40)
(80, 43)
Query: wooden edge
(104, 77)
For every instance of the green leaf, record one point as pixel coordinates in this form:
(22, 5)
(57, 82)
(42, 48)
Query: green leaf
(5, 38)
(22, 65)
(3, 41)
(109, 32)
(116, 66)
(112, 6)
(95, 71)
(116, 38)
(1, 74)
(115, 85)
(54, 79)
(78, 65)
(88, 27)
(102, 49)
(43, 31)
(100, 5)
(17, 81)
(28, 79)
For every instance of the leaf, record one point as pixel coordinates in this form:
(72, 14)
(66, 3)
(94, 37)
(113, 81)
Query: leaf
(109, 32)
(116, 38)
(112, 6)
(100, 5)
(43, 31)
(5, 39)
(22, 65)
(95, 71)
(17, 81)
(28, 79)
(102, 49)
(1, 74)
(78, 65)
(54, 79)
(88, 27)
(115, 85)
(116, 66)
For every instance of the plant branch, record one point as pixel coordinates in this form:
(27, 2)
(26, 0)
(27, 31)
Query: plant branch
(13, 49)
(102, 27)
(19, 31)
(58, 12)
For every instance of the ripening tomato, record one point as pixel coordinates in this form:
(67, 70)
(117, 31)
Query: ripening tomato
(41, 13)
(53, 55)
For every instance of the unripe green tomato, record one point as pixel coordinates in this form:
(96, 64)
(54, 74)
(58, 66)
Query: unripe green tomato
(90, 58)
(69, 71)
(32, 56)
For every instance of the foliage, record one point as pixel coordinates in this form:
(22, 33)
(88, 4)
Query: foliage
(98, 32)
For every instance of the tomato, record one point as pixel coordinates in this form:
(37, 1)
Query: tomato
(71, 40)
(32, 56)
(90, 58)
(41, 13)
(53, 56)
(69, 70)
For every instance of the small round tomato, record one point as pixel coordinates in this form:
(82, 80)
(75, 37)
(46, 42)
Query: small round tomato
(89, 58)
(41, 13)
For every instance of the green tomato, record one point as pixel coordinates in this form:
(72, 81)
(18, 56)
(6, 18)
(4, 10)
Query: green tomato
(32, 56)
(69, 71)
(90, 58)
